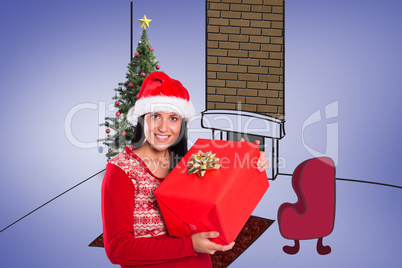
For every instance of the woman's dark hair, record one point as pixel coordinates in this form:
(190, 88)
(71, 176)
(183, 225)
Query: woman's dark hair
(139, 136)
(178, 148)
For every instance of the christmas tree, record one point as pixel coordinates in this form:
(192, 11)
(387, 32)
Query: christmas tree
(119, 131)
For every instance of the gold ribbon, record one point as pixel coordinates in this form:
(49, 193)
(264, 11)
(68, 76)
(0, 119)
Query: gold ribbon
(201, 162)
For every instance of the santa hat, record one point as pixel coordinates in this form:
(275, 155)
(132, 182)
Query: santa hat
(160, 93)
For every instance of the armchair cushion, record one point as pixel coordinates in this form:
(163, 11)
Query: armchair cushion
(313, 215)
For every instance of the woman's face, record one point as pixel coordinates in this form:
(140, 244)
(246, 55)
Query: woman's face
(162, 129)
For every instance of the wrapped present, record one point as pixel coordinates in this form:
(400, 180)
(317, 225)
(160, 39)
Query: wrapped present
(215, 187)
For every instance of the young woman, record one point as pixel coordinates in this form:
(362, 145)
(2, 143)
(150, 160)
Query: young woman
(133, 229)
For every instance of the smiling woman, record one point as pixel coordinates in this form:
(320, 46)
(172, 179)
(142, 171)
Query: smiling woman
(133, 229)
(163, 129)
(161, 139)
(160, 115)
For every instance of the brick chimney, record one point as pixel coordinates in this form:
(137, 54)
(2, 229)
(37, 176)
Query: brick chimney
(245, 56)
(245, 72)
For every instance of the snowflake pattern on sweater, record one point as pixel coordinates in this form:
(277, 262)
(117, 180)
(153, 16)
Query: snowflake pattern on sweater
(147, 216)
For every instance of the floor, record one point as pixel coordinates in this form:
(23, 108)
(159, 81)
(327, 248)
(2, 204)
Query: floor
(367, 231)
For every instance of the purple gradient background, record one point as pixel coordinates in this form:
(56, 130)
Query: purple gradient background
(58, 54)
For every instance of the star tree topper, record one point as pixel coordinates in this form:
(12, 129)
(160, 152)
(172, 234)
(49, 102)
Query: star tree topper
(144, 22)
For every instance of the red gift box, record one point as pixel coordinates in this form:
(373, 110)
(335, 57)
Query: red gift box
(222, 200)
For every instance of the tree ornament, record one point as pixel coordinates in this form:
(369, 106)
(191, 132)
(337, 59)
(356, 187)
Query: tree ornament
(142, 74)
(151, 48)
(108, 130)
(137, 54)
(110, 150)
(157, 67)
(124, 133)
(118, 113)
(107, 123)
(117, 102)
(130, 84)
(144, 22)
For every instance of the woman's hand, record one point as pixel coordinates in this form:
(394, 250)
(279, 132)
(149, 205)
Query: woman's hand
(262, 163)
(202, 244)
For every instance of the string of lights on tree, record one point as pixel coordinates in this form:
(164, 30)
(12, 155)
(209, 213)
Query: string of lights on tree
(119, 132)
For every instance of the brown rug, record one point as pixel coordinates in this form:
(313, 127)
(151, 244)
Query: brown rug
(254, 228)
(98, 242)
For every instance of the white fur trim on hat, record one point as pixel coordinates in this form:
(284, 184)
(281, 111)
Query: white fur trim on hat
(161, 103)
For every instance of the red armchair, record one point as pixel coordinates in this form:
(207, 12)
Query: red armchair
(313, 215)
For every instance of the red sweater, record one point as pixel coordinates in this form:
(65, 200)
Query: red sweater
(133, 229)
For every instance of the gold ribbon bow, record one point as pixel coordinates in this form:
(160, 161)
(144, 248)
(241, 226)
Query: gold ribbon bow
(201, 162)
